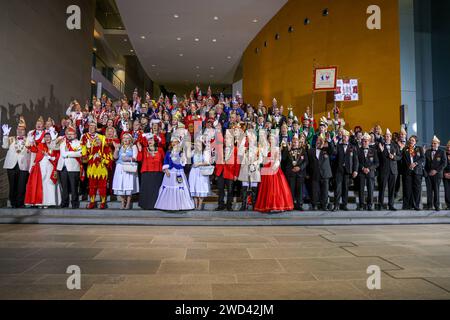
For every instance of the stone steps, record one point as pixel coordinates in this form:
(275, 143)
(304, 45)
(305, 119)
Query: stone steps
(211, 218)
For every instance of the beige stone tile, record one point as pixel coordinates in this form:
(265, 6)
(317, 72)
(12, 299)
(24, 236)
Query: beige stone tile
(14, 266)
(283, 253)
(231, 239)
(208, 278)
(300, 239)
(149, 292)
(416, 262)
(384, 251)
(152, 279)
(411, 289)
(275, 277)
(184, 267)
(340, 275)
(245, 266)
(97, 267)
(217, 254)
(441, 282)
(217, 245)
(333, 264)
(142, 254)
(16, 253)
(39, 292)
(28, 244)
(419, 273)
(65, 253)
(287, 291)
(171, 239)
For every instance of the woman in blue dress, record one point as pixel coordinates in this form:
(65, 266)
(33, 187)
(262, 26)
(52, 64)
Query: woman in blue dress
(174, 194)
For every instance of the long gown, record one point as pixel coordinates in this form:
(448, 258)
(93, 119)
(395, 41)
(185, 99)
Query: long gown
(274, 193)
(151, 177)
(174, 194)
(42, 187)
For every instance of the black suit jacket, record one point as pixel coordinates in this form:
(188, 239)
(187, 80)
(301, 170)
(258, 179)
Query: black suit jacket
(371, 161)
(418, 158)
(386, 163)
(346, 162)
(438, 163)
(287, 163)
(321, 168)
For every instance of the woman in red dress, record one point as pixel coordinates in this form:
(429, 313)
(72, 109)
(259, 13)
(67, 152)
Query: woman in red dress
(274, 193)
(42, 187)
(152, 158)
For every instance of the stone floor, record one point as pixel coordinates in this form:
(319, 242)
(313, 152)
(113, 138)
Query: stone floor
(125, 262)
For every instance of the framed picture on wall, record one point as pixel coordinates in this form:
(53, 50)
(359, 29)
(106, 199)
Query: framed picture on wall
(325, 79)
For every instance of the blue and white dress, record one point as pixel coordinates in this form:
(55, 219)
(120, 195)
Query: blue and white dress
(125, 183)
(198, 183)
(174, 194)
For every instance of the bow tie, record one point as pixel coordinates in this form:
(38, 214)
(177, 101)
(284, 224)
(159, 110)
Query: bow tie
(20, 138)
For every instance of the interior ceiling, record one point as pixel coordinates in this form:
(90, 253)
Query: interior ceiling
(203, 61)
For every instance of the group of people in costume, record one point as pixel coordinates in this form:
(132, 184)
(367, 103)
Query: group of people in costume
(173, 153)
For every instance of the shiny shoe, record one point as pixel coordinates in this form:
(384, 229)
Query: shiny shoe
(91, 206)
(103, 206)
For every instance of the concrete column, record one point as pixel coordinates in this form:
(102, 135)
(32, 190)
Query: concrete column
(408, 64)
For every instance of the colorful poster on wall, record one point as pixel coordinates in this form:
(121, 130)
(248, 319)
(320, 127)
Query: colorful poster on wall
(347, 90)
(325, 79)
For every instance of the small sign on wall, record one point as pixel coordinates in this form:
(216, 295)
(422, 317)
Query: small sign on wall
(347, 90)
(325, 79)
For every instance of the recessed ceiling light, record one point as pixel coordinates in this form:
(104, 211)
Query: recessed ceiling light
(196, 39)
(212, 68)
(179, 39)
(131, 50)
(153, 65)
(143, 37)
(229, 57)
(176, 16)
(181, 54)
(216, 18)
(255, 20)
(197, 67)
(125, 39)
(214, 40)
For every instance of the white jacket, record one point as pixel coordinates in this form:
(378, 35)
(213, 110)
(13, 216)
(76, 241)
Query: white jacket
(68, 158)
(17, 153)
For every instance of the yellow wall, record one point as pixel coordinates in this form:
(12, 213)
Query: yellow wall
(283, 69)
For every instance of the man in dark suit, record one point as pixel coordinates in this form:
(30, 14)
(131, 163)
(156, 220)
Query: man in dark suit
(447, 177)
(368, 163)
(320, 171)
(388, 153)
(413, 159)
(346, 167)
(435, 163)
(294, 163)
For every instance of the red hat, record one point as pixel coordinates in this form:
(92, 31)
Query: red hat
(71, 130)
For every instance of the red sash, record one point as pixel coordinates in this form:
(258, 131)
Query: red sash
(82, 173)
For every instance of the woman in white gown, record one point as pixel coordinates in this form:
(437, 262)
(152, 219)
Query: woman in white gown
(126, 184)
(199, 177)
(174, 194)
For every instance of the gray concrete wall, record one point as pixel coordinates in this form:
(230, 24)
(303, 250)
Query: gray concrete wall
(43, 65)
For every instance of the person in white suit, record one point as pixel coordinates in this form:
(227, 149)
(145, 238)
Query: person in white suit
(17, 163)
(70, 168)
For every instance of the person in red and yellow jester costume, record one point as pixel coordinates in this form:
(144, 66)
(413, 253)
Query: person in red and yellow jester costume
(98, 156)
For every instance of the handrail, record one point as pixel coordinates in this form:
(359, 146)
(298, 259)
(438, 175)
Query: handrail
(119, 84)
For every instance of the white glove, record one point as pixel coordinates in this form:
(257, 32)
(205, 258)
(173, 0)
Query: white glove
(6, 129)
(53, 133)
